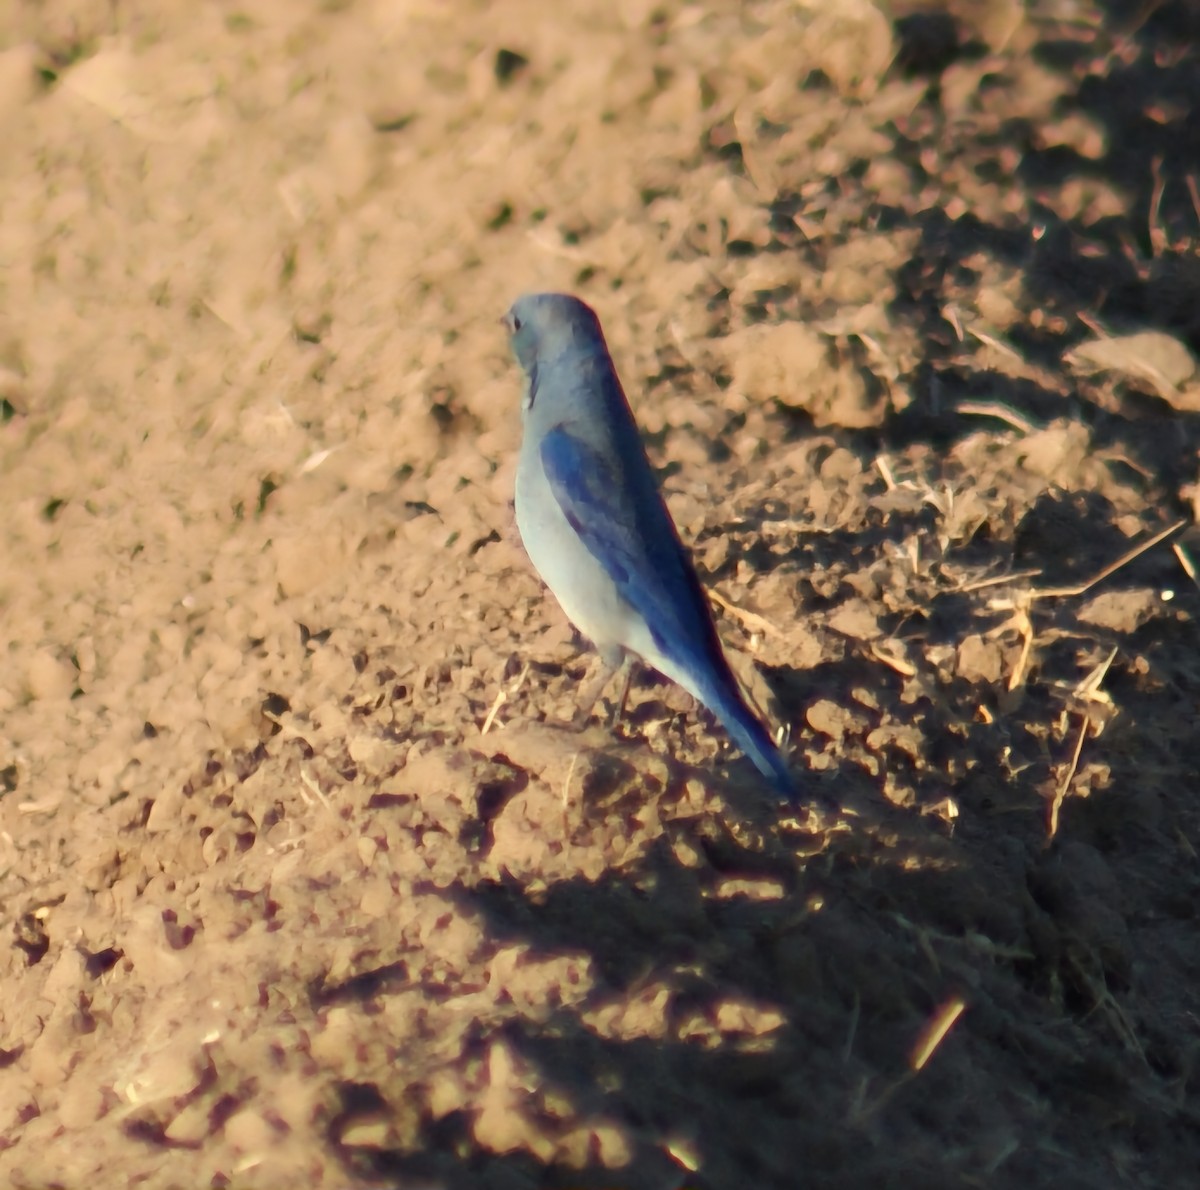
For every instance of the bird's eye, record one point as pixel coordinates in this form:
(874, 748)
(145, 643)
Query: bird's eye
(516, 324)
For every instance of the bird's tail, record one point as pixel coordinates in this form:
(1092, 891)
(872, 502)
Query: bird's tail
(752, 737)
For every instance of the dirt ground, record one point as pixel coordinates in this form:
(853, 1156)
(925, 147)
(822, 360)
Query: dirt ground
(303, 884)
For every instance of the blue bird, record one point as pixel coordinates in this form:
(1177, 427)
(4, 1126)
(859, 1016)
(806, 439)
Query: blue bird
(595, 526)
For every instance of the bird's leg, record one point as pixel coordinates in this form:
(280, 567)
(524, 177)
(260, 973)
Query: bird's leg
(628, 669)
(590, 693)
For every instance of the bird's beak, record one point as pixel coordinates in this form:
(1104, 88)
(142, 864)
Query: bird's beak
(506, 322)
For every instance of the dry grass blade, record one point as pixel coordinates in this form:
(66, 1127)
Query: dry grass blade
(996, 580)
(1021, 623)
(751, 620)
(1020, 604)
(904, 668)
(1112, 567)
(1185, 560)
(852, 1030)
(566, 789)
(996, 345)
(1158, 235)
(1107, 1005)
(1060, 792)
(863, 1111)
(999, 411)
(502, 696)
(935, 1031)
(931, 1036)
(307, 780)
(1089, 688)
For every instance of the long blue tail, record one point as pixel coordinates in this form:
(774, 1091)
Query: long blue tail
(750, 735)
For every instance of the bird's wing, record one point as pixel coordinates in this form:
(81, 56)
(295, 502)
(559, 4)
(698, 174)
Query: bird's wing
(625, 526)
(615, 524)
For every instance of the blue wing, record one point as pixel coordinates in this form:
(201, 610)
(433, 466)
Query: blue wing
(621, 519)
(615, 508)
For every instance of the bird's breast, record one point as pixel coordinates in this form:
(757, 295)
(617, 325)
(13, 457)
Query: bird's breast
(584, 589)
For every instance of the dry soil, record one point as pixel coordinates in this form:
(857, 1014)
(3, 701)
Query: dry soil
(302, 882)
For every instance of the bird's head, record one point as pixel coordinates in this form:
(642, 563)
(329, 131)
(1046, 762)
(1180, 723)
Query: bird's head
(543, 325)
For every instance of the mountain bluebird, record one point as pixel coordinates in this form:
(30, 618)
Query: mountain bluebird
(597, 530)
